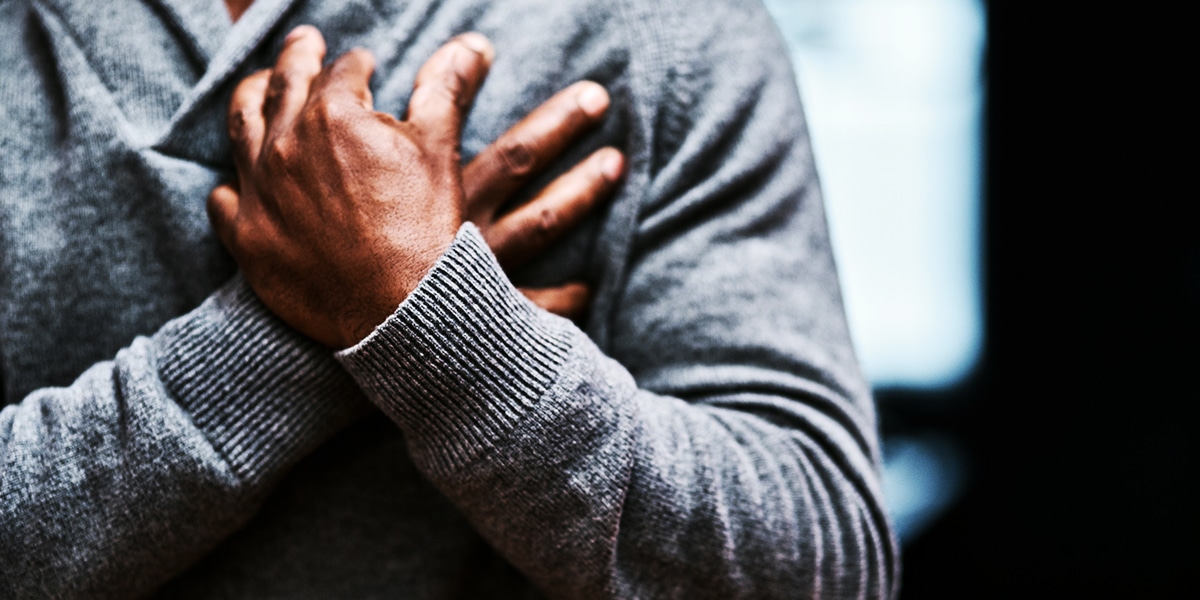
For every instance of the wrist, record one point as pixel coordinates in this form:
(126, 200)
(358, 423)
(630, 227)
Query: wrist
(388, 288)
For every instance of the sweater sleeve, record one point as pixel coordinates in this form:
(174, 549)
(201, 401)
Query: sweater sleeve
(724, 444)
(595, 488)
(116, 483)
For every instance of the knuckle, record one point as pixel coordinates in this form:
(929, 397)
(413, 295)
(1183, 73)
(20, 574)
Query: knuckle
(279, 152)
(326, 117)
(285, 81)
(237, 123)
(326, 112)
(545, 225)
(278, 84)
(517, 157)
(240, 130)
(286, 77)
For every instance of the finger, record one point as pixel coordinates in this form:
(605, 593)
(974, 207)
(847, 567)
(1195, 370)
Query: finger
(447, 83)
(287, 91)
(570, 300)
(531, 145)
(348, 78)
(530, 229)
(247, 126)
(222, 212)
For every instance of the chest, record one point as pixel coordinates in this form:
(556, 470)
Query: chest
(115, 133)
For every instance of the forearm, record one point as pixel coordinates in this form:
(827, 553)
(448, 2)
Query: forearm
(594, 488)
(112, 485)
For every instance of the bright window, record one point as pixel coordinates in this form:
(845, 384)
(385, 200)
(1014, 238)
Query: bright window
(892, 91)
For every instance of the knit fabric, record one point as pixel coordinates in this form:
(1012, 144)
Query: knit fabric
(704, 432)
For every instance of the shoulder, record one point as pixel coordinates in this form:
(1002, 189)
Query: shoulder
(723, 71)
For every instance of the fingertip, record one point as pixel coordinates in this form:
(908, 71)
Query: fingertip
(612, 163)
(364, 57)
(304, 40)
(479, 44)
(472, 66)
(302, 31)
(592, 98)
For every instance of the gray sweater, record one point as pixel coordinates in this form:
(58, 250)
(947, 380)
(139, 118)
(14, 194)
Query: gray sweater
(704, 433)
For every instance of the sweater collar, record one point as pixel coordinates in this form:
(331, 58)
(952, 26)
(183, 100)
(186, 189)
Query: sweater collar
(214, 48)
(227, 53)
(204, 25)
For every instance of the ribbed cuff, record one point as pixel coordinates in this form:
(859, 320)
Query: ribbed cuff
(263, 394)
(462, 359)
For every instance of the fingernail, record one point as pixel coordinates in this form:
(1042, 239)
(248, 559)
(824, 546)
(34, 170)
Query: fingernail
(476, 42)
(611, 165)
(593, 100)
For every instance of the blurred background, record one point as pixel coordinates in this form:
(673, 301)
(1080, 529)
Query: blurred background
(1029, 367)
(893, 91)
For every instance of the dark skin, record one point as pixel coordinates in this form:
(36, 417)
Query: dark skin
(237, 8)
(339, 211)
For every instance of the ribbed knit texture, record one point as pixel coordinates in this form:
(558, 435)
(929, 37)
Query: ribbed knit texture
(477, 353)
(263, 394)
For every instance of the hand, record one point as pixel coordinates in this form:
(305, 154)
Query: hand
(334, 237)
(524, 151)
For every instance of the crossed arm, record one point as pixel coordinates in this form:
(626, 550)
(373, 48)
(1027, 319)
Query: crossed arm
(114, 484)
(738, 465)
(761, 485)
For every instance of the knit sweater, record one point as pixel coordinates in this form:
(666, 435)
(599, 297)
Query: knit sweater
(704, 432)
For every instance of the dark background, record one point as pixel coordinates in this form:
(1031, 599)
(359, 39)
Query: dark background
(1078, 424)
